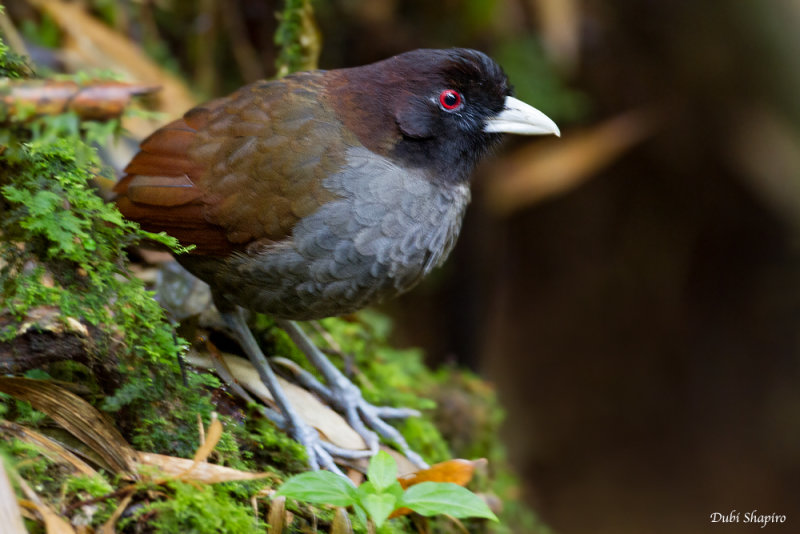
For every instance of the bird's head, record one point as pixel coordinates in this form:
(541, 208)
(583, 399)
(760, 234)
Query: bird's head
(440, 110)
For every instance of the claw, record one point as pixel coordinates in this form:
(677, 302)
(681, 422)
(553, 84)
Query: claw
(364, 418)
(343, 394)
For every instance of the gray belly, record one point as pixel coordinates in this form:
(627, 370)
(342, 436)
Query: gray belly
(387, 229)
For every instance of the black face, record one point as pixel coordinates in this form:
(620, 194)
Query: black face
(426, 109)
(443, 116)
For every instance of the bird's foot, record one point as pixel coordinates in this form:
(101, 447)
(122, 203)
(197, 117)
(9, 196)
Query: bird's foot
(321, 453)
(363, 415)
(342, 394)
(339, 392)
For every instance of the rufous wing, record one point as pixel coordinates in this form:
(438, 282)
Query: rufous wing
(239, 170)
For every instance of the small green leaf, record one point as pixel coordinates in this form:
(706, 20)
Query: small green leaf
(319, 487)
(361, 514)
(395, 489)
(366, 488)
(382, 471)
(44, 203)
(379, 506)
(432, 498)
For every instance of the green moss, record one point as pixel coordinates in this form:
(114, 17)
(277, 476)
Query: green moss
(162, 411)
(32, 465)
(91, 486)
(79, 488)
(63, 247)
(297, 37)
(272, 446)
(12, 65)
(22, 412)
(197, 509)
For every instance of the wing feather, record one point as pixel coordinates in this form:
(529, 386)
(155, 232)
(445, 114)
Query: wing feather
(232, 172)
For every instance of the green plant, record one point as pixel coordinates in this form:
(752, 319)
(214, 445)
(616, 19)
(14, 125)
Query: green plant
(297, 37)
(382, 494)
(194, 508)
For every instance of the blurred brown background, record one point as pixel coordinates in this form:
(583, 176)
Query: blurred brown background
(633, 289)
(642, 328)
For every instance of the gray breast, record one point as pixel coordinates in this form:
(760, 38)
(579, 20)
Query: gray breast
(387, 229)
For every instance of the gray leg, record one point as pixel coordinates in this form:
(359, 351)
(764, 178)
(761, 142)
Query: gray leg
(318, 451)
(226, 376)
(343, 394)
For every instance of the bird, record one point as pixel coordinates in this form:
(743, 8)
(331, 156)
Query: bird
(321, 193)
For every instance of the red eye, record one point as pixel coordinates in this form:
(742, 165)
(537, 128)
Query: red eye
(450, 100)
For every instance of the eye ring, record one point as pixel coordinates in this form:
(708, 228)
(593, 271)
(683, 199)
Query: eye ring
(450, 100)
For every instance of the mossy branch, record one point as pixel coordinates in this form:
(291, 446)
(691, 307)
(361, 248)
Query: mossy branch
(298, 38)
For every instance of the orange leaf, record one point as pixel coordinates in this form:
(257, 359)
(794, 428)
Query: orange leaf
(458, 471)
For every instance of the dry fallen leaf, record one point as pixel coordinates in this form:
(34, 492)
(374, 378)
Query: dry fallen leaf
(186, 469)
(277, 515)
(75, 415)
(10, 513)
(50, 319)
(49, 447)
(210, 440)
(108, 526)
(331, 425)
(53, 523)
(197, 469)
(341, 522)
